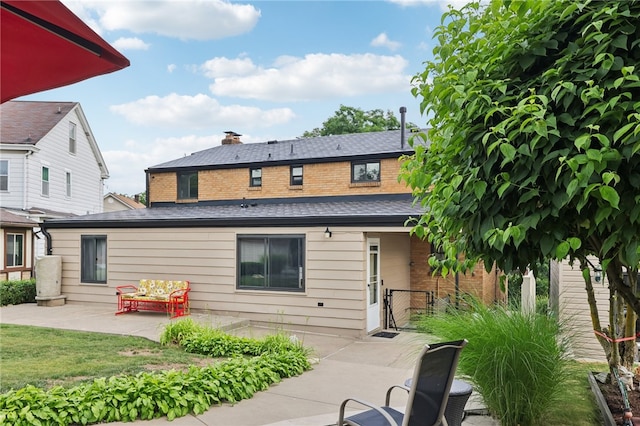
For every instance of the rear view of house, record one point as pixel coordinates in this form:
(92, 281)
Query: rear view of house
(50, 167)
(307, 233)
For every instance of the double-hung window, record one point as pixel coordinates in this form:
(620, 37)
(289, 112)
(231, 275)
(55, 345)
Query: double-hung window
(15, 250)
(271, 262)
(187, 185)
(255, 177)
(4, 175)
(365, 171)
(93, 259)
(45, 181)
(296, 175)
(72, 138)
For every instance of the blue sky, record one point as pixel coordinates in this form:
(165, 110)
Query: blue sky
(265, 69)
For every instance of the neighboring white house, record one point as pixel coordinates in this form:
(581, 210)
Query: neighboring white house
(50, 163)
(114, 202)
(568, 297)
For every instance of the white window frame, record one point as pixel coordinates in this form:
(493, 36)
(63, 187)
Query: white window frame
(10, 247)
(4, 175)
(45, 183)
(72, 138)
(68, 182)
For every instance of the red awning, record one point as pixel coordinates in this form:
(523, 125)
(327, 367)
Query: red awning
(43, 45)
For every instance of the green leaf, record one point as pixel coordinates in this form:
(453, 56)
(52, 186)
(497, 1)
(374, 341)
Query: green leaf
(508, 151)
(479, 188)
(611, 195)
(562, 250)
(621, 131)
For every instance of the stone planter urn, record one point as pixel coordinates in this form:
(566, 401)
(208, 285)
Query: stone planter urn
(49, 281)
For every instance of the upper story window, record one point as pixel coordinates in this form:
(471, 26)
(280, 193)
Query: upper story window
(68, 183)
(365, 171)
(4, 175)
(187, 185)
(45, 181)
(72, 138)
(296, 175)
(93, 259)
(255, 177)
(271, 262)
(15, 250)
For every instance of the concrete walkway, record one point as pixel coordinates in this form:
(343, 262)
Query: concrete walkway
(347, 367)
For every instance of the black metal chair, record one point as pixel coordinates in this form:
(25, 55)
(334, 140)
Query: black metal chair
(428, 394)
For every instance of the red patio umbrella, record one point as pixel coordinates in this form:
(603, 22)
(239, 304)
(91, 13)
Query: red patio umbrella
(43, 45)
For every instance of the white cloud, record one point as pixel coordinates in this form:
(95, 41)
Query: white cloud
(171, 68)
(223, 67)
(382, 40)
(130, 43)
(316, 76)
(198, 20)
(198, 112)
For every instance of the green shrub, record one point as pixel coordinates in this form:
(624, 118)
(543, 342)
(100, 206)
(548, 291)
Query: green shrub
(518, 362)
(168, 393)
(17, 292)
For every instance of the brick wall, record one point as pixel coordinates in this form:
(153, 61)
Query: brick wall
(476, 282)
(323, 179)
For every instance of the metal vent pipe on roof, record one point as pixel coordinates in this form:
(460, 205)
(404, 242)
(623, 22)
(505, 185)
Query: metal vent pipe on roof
(403, 112)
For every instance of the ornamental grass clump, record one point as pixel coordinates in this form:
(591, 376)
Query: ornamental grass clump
(517, 361)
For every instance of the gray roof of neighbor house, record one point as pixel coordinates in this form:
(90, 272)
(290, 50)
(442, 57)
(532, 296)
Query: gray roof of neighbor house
(9, 219)
(28, 122)
(373, 210)
(373, 145)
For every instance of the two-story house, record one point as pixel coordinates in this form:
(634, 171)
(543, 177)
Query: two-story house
(50, 167)
(306, 233)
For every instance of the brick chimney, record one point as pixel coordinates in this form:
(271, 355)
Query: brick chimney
(231, 138)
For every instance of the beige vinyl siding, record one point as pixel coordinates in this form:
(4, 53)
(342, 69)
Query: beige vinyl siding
(574, 309)
(334, 272)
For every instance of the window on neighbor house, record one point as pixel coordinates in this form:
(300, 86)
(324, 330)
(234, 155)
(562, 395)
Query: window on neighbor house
(72, 138)
(296, 175)
(255, 177)
(93, 259)
(365, 171)
(15, 250)
(270, 262)
(45, 181)
(4, 175)
(187, 185)
(68, 183)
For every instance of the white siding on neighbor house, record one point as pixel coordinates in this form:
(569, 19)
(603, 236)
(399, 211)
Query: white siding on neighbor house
(334, 272)
(14, 196)
(87, 186)
(574, 309)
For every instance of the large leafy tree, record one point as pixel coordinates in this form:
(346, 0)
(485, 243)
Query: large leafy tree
(355, 120)
(534, 116)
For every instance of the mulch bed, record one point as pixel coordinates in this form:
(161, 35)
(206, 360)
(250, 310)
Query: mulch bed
(611, 394)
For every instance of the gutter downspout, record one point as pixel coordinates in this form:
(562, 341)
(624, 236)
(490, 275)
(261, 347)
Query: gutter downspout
(47, 237)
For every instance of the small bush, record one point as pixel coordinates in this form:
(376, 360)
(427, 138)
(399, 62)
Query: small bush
(17, 292)
(171, 393)
(518, 362)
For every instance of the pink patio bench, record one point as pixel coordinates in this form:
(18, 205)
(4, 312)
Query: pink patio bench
(167, 296)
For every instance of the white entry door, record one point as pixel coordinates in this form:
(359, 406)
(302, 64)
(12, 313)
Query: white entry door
(373, 284)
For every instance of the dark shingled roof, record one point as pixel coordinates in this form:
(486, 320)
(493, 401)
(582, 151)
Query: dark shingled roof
(375, 210)
(305, 150)
(25, 122)
(9, 219)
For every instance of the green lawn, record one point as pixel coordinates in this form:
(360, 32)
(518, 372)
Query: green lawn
(45, 357)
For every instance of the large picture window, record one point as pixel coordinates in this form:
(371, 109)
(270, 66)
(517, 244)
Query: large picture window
(271, 262)
(365, 172)
(15, 250)
(94, 259)
(187, 185)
